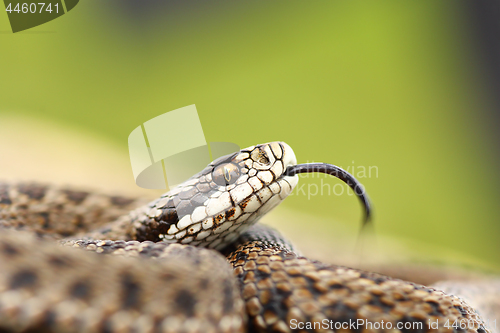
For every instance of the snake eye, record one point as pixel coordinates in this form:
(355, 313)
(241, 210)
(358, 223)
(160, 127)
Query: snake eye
(225, 174)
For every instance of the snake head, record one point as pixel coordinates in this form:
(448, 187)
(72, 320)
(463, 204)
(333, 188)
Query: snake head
(215, 206)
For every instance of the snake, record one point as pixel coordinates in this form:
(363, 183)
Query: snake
(195, 260)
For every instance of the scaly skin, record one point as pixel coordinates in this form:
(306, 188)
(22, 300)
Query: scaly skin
(142, 280)
(282, 291)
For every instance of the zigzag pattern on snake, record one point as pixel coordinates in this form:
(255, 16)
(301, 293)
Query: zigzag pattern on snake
(194, 260)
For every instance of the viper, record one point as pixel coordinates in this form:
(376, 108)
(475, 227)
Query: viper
(195, 260)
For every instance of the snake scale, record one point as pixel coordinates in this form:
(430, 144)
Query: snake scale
(194, 260)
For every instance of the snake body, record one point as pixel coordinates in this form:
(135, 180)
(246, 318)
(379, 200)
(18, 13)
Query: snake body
(163, 267)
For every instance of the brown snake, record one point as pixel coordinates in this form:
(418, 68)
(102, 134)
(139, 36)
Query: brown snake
(164, 271)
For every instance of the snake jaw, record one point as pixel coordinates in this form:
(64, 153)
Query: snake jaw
(288, 181)
(289, 158)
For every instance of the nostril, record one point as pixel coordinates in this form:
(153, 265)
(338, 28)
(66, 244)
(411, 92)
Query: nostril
(263, 159)
(260, 156)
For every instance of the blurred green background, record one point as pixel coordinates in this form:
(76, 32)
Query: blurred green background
(395, 85)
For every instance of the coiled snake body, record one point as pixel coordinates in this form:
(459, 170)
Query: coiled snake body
(163, 271)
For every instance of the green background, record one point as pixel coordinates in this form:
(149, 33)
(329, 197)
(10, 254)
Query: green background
(388, 84)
